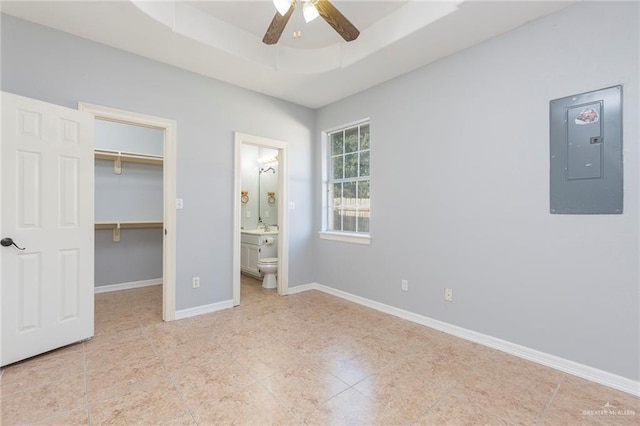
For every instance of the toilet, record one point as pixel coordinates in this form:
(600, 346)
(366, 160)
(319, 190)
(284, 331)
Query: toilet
(269, 267)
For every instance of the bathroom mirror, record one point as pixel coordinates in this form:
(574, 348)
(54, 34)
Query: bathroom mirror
(267, 188)
(259, 186)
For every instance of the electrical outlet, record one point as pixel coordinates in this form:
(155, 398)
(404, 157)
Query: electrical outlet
(248, 213)
(405, 285)
(448, 295)
(195, 282)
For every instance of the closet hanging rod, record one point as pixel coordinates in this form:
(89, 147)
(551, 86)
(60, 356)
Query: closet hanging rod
(134, 157)
(117, 226)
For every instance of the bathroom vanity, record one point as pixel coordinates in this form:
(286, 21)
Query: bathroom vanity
(255, 245)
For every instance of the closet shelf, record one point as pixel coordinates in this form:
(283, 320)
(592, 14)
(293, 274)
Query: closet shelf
(134, 157)
(117, 226)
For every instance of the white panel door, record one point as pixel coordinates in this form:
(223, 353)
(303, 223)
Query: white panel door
(47, 187)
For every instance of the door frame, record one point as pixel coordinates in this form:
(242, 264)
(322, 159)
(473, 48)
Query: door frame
(168, 190)
(283, 223)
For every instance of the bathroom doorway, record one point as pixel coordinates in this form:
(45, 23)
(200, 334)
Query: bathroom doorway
(271, 203)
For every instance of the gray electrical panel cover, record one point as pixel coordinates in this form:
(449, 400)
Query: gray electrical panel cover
(586, 153)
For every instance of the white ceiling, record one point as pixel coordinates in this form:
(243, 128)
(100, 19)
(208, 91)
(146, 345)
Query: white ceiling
(255, 16)
(223, 39)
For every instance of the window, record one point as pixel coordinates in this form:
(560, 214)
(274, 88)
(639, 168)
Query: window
(347, 180)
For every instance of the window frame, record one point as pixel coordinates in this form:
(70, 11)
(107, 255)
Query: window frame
(337, 235)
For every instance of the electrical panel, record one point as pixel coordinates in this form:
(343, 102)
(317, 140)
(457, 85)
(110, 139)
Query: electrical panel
(586, 153)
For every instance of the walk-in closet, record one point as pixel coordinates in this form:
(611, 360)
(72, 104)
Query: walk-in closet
(128, 206)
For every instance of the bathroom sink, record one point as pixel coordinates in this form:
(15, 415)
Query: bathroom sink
(259, 231)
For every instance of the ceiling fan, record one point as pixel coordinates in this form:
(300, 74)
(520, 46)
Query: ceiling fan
(310, 10)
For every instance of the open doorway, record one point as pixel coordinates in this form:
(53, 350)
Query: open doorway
(163, 159)
(272, 201)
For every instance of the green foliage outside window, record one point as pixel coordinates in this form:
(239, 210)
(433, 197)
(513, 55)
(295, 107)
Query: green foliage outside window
(349, 180)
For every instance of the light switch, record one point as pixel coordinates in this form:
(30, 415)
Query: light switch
(178, 203)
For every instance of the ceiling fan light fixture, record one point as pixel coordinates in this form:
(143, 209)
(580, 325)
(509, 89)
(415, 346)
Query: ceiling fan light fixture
(309, 11)
(282, 6)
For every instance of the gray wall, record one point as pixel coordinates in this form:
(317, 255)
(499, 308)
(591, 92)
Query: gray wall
(460, 193)
(136, 257)
(62, 69)
(134, 195)
(128, 137)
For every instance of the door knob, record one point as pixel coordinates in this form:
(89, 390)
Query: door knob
(8, 242)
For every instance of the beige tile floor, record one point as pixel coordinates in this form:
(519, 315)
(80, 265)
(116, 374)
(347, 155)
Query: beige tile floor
(308, 358)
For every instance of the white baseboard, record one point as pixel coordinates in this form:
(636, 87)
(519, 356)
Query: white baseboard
(303, 287)
(571, 367)
(204, 309)
(127, 286)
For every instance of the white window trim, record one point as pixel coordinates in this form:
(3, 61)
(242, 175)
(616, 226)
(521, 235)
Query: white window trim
(345, 237)
(342, 236)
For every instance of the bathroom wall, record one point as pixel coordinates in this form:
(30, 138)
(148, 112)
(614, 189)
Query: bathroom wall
(460, 193)
(55, 67)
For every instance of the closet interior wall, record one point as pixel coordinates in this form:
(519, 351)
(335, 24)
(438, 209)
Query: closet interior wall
(126, 191)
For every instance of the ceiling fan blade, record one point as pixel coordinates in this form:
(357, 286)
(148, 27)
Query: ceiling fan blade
(277, 26)
(337, 20)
